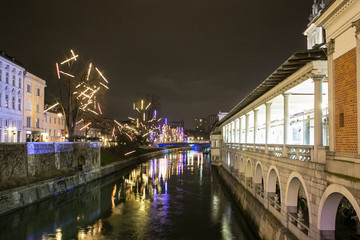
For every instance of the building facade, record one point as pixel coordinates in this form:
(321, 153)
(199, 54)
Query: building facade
(33, 107)
(293, 143)
(54, 125)
(11, 99)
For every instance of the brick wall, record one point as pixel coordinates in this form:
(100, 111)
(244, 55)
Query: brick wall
(345, 103)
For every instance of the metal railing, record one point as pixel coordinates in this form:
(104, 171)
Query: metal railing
(259, 191)
(299, 223)
(275, 203)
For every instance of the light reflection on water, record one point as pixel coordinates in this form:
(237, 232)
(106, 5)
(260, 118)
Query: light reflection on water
(174, 197)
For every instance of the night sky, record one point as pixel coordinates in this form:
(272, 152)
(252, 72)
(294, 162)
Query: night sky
(198, 56)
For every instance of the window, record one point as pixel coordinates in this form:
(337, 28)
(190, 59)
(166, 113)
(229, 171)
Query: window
(28, 88)
(38, 92)
(19, 104)
(19, 82)
(0, 101)
(37, 123)
(49, 119)
(6, 101)
(59, 121)
(6, 123)
(7, 78)
(13, 103)
(37, 108)
(0, 75)
(54, 121)
(0, 124)
(28, 121)
(45, 117)
(28, 105)
(13, 77)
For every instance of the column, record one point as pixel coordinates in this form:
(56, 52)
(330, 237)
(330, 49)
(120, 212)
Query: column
(356, 24)
(318, 141)
(331, 94)
(247, 127)
(256, 111)
(286, 117)
(240, 122)
(268, 122)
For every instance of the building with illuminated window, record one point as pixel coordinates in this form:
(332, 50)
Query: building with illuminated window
(11, 99)
(54, 125)
(33, 107)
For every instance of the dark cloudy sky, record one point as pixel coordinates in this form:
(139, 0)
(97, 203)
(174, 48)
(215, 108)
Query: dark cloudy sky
(198, 56)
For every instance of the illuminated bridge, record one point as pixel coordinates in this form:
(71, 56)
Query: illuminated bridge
(189, 143)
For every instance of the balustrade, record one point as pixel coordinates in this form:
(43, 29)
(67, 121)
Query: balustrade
(301, 153)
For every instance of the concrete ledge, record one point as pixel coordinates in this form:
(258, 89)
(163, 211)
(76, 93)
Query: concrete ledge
(20, 197)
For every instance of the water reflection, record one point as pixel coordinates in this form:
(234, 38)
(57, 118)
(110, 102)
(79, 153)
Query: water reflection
(173, 197)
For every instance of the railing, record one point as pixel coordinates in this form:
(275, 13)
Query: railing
(275, 203)
(249, 182)
(298, 222)
(242, 177)
(301, 153)
(259, 191)
(261, 148)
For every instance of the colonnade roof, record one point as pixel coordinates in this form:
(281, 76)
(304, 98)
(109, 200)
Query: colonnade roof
(290, 66)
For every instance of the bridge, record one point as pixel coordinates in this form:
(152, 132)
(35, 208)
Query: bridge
(294, 142)
(188, 143)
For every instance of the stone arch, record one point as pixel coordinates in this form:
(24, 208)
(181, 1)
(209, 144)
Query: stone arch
(236, 163)
(329, 204)
(258, 178)
(242, 164)
(248, 169)
(272, 176)
(292, 188)
(81, 162)
(228, 159)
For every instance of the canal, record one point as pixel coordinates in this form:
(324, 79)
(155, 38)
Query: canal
(176, 196)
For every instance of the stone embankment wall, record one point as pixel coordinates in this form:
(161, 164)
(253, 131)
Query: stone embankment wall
(30, 159)
(262, 222)
(26, 195)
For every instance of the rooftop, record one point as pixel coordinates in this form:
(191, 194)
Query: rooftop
(290, 66)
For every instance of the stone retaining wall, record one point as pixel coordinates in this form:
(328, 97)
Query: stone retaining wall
(33, 158)
(23, 196)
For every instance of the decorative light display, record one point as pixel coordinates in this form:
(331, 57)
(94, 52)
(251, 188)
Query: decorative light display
(85, 86)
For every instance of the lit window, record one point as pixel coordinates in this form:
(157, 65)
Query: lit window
(6, 101)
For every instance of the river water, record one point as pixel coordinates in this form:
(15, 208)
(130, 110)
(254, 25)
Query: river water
(176, 196)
